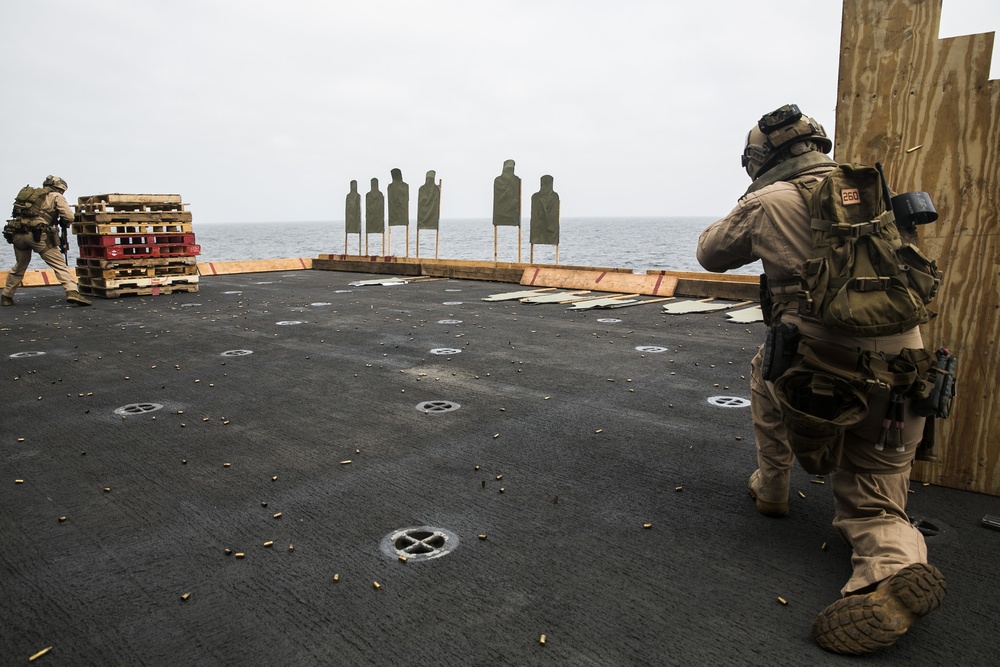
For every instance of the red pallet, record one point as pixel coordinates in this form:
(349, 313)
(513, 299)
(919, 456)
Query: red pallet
(132, 239)
(139, 251)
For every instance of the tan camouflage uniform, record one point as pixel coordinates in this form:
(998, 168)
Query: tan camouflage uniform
(51, 207)
(870, 487)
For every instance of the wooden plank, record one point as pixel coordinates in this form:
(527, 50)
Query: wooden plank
(137, 217)
(926, 109)
(254, 266)
(656, 284)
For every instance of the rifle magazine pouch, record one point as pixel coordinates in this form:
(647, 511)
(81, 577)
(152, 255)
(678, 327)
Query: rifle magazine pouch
(817, 408)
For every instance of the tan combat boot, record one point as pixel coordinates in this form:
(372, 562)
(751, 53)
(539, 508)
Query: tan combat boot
(73, 296)
(865, 623)
(6, 301)
(770, 501)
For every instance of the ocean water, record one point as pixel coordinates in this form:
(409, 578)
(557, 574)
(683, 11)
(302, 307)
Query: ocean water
(637, 243)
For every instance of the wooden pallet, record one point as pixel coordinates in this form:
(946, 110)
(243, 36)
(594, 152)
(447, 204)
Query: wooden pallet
(127, 271)
(140, 291)
(134, 217)
(138, 251)
(152, 262)
(81, 228)
(134, 239)
(117, 203)
(137, 283)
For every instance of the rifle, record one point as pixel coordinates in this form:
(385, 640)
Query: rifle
(64, 244)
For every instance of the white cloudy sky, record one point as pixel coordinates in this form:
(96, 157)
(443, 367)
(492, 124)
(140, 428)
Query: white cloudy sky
(265, 110)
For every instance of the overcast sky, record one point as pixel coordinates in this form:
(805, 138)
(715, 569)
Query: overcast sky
(265, 110)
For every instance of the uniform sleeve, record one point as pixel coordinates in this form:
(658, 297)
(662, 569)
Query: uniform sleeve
(728, 243)
(63, 209)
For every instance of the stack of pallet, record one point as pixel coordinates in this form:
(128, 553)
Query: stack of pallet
(135, 245)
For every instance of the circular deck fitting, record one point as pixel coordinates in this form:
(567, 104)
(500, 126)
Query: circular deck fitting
(728, 401)
(419, 543)
(437, 407)
(321, 303)
(236, 353)
(288, 323)
(25, 355)
(449, 321)
(452, 303)
(609, 320)
(235, 291)
(651, 349)
(137, 408)
(445, 350)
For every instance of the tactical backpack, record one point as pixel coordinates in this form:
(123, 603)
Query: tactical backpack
(27, 202)
(862, 280)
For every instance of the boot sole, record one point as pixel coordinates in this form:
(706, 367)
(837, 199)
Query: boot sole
(865, 623)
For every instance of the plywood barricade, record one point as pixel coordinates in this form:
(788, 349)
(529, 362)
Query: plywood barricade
(926, 109)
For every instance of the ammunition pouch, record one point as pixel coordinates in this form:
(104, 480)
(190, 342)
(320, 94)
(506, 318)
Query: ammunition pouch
(780, 347)
(829, 389)
(14, 227)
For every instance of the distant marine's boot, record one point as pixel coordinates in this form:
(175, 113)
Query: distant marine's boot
(74, 297)
(770, 501)
(6, 301)
(865, 623)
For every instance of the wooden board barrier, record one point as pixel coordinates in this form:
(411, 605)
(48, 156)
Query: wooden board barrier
(926, 108)
(656, 284)
(254, 266)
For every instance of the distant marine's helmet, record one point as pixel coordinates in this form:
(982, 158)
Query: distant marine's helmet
(783, 133)
(56, 183)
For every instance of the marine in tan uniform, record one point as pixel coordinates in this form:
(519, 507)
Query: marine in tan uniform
(38, 232)
(892, 585)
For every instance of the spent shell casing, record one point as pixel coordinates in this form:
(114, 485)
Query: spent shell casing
(782, 600)
(481, 536)
(344, 463)
(291, 548)
(185, 597)
(268, 543)
(40, 654)
(240, 554)
(647, 525)
(277, 515)
(402, 559)
(336, 577)
(801, 495)
(541, 640)
(376, 585)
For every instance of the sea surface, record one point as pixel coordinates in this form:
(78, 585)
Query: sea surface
(636, 243)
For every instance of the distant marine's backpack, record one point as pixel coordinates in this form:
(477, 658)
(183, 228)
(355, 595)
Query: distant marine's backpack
(862, 280)
(27, 202)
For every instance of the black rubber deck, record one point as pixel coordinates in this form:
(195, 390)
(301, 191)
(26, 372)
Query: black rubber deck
(593, 439)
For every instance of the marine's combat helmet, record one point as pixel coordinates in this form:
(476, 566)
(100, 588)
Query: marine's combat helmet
(780, 134)
(55, 183)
